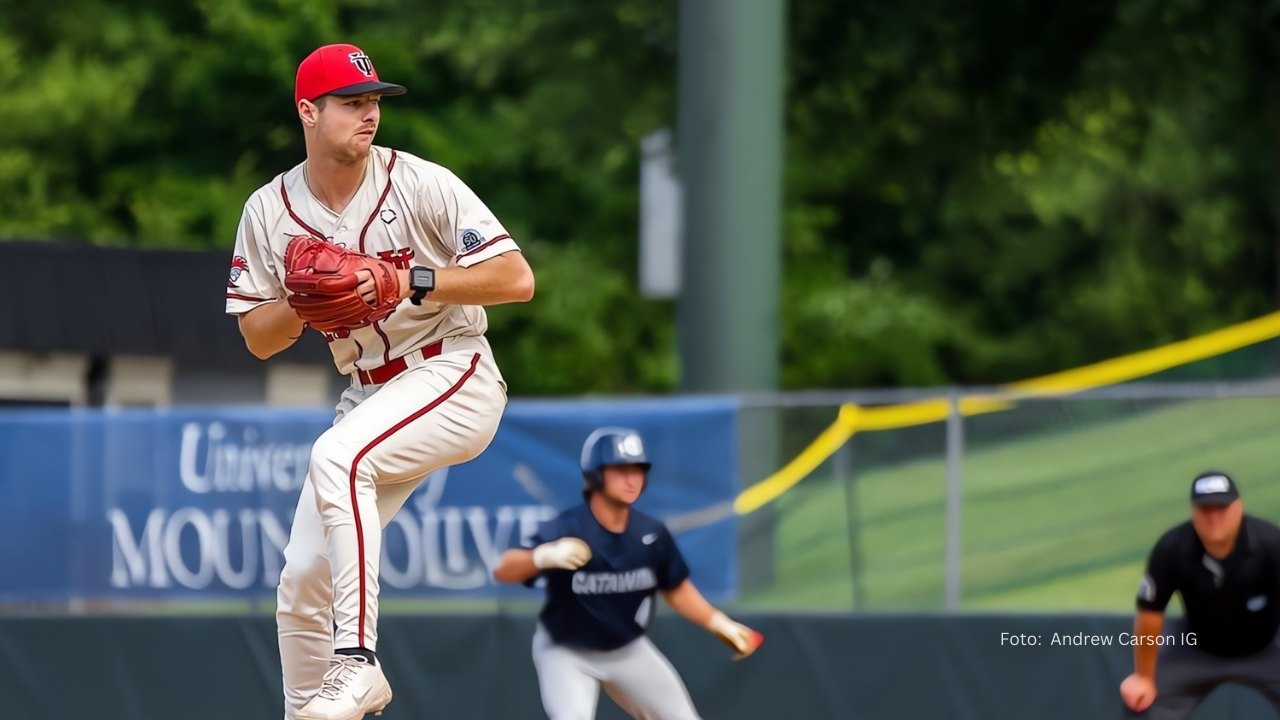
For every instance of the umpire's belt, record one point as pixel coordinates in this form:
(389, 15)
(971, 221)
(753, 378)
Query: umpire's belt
(385, 373)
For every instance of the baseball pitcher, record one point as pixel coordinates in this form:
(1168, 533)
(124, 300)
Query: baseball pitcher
(390, 257)
(603, 562)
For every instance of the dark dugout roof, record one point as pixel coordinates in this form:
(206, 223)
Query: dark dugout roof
(60, 296)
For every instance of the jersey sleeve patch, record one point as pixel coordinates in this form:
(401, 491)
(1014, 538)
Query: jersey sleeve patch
(472, 242)
(1147, 589)
(239, 268)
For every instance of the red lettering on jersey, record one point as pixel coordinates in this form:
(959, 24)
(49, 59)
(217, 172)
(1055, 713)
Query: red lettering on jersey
(400, 257)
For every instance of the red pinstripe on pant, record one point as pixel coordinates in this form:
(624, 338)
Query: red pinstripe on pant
(475, 360)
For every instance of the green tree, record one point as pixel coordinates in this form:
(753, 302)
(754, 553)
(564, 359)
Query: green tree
(149, 124)
(1025, 186)
(974, 193)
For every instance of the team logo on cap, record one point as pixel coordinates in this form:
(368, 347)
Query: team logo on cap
(362, 63)
(1212, 484)
(630, 446)
(239, 266)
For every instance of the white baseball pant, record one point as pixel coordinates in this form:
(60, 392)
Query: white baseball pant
(637, 676)
(384, 441)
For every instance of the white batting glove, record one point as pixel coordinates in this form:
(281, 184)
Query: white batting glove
(568, 553)
(740, 638)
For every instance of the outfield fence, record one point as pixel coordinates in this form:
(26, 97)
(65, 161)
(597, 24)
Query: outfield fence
(994, 498)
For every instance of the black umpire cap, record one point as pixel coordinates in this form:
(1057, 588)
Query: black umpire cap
(1213, 488)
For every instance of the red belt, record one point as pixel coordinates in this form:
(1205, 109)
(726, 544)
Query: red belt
(384, 373)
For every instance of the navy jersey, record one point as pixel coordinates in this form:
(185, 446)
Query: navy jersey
(608, 602)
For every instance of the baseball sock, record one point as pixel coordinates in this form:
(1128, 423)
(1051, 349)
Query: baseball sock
(369, 655)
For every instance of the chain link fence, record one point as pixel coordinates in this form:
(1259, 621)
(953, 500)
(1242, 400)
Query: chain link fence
(1005, 502)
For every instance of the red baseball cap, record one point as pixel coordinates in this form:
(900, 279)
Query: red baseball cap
(339, 70)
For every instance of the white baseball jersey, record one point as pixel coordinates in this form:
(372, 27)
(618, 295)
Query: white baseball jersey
(407, 211)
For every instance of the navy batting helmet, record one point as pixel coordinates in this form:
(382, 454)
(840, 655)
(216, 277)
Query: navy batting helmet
(610, 446)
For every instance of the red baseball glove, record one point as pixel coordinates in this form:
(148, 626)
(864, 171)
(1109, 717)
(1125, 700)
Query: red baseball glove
(322, 279)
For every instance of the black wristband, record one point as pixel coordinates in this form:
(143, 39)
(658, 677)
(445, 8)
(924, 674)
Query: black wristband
(422, 280)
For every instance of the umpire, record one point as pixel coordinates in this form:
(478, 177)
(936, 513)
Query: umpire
(1226, 566)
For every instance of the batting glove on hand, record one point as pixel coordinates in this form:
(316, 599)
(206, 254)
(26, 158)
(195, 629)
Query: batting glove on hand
(567, 553)
(740, 638)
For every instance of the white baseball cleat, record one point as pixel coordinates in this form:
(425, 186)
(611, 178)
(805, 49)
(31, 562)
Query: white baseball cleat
(352, 688)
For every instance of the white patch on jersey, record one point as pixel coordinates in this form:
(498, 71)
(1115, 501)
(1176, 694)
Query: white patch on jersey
(1256, 603)
(470, 239)
(388, 216)
(1147, 589)
(642, 614)
(648, 539)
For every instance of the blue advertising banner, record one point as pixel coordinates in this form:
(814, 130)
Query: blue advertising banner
(197, 503)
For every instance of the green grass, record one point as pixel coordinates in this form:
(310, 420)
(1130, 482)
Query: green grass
(1060, 520)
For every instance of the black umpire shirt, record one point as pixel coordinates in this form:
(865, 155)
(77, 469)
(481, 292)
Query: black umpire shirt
(1232, 605)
